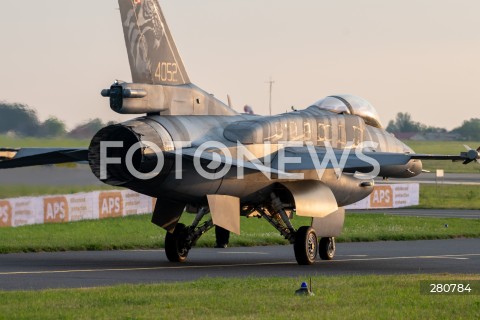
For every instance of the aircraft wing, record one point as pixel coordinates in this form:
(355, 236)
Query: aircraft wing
(298, 158)
(466, 157)
(301, 158)
(25, 157)
(309, 158)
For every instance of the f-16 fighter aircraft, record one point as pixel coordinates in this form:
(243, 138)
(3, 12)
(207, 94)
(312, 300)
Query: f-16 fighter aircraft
(196, 154)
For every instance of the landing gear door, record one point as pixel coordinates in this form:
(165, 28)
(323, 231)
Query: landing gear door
(330, 225)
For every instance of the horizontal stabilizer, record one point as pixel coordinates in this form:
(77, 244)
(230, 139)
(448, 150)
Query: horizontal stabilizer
(27, 157)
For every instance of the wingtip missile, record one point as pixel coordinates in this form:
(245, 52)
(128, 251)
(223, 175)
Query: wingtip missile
(471, 155)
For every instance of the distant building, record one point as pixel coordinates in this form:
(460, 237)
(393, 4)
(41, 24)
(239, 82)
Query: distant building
(405, 135)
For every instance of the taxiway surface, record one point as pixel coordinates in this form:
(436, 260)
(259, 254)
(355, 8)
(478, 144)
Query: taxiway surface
(425, 213)
(28, 271)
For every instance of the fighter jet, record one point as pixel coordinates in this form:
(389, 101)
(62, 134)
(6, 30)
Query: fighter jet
(196, 154)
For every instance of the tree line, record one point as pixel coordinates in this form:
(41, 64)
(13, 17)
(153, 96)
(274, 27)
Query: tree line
(469, 130)
(21, 120)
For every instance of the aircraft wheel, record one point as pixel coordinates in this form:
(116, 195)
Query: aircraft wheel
(175, 244)
(326, 248)
(305, 246)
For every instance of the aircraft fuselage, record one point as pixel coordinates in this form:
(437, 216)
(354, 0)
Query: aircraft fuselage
(314, 126)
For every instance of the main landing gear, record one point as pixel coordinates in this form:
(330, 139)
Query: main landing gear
(326, 248)
(183, 238)
(306, 245)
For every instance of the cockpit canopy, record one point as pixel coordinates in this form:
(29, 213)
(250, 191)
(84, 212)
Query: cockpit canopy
(348, 104)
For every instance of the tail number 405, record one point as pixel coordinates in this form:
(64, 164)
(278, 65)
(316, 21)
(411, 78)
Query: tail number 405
(166, 71)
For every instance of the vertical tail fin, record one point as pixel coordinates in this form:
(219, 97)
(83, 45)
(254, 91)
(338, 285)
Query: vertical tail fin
(152, 53)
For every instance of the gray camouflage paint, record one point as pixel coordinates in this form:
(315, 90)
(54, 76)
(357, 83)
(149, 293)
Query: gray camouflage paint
(177, 111)
(150, 44)
(181, 117)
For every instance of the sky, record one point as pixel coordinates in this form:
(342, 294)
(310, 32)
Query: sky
(420, 57)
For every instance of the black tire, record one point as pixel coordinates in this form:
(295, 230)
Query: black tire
(306, 245)
(326, 248)
(174, 244)
(222, 237)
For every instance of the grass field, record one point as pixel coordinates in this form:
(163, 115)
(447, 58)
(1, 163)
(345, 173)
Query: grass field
(449, 197)
(31, 142)
(137, 232)
(431, 196)
(336, 297)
